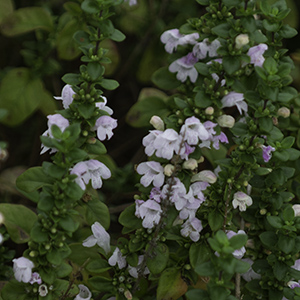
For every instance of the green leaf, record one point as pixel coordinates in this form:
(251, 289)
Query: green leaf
(90, 6)
(270, 65)
(6, 8)
(33, 179)
(222, 29)
(63, 270)
(217, 292)
(128, 219)
(286, 243)
(100, 283)
(270, 26)
(269, 238)
(72, 79)
(202, 99)
(97, 148)
(14, 290)
(215, 220)
(97, 266)
(231, 64)
(288, 142)
(95, 70)
(80, 253)
(109, 84)
(202, 68)
(141, 112)
(171, 285)
(158, 262)
(198, 253)
(26, 19)
(275, 221)
(117, 36)
(165, 80)
(197, 294)
(38, 233)
(54, 257)
(287, 31)
(239, 129)
(280, 270)
(18, 227)
(68, 224)
(97, 211)
(265, 124)
(238, 241)
(21, 94)
(288, 214)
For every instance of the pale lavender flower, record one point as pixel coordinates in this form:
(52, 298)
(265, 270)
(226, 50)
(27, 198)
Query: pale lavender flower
(93, 170)
(23, 269)
(193, 131)
(184, 67)
(99, 237)
(256, 54)
(66, 96)
(189, 210)
(152, 171)
(148, 141)
(84, 293)
(102, 106)
(131, 2)
(60, 122)
(104, 126)
(250, 274)
(138, 204)
(191, 228)
(133, 271)
(117, 259)
(172, 38)
(204, 48)
(241, 200)
(219, 138)
(238, 253)
(186, 151)
(155, 194)
(235, 99)
(216, 78)
(267, 152)
(296, 265)
(35, 278)
(293, 284)
(150, 211)
(167, 143)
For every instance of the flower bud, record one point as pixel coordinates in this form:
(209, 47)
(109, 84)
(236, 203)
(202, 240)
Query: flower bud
(241, 40)
(190, 164)
(209, 110)
(169, 170)
(1, 218)
(226, 121)
(296, 208)
(283, 112)
(157, 123)
(206, 176)
(200, 160)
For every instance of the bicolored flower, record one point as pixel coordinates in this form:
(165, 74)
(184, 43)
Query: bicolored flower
(152, 171)
(235, 99)
(99, 237)
(241, 200)
(23, 269)
(204, 48)
(84, 293)
(256, 54)
(35, 278)
(66, 96)
(267, 152)
(93, 170)
(104, 126)
(184, 67)
(191, 228)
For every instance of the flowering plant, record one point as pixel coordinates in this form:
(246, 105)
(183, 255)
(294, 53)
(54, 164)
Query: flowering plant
(216, 215)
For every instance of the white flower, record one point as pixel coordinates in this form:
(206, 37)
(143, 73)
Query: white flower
(1, 238)
(206, 176)
(148, 141)
(117, 258)
(256, 54)
(296, 208)
(241, 200)
(66, 96)
(84, 293)
(93, 170)
(172, 38)
(102, 106)
(193, 131)
(150, 211)
(99, 237)
(23, 269)
(152, 171)
(235, 99)
(184, 67)
(241, 40)
(192, 228)
(104, 126)
(133, 271)
(204, 48)
(131, 2)
(43, 290)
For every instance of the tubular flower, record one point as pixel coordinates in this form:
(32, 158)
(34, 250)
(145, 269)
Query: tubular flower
(241, 200)
(104, 126)
(267, 152)
(66, 96)
(204, 48)
(150, 211)
(99, 237)
(256, 54)
(151, 171)
(191, 228)
(23, 269)
(117, 259)
(235, 99)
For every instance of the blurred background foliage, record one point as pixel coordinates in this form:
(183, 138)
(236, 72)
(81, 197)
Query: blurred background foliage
(37, 49)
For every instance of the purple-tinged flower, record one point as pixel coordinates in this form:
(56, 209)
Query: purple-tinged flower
(235, 99)
(148, 141)
(216, 78)
(189, 210)
(205, 176)
(256, 54)
(102, 106)
(267, 152)
(250, 274)
(204, 48)
(155, 194)
(150, 211)
(238, 253)
(93, 170)
(35, 278)
(191, 228)
(117, 258)
(219, 138)
(172, 38)
(186, 151)
(151, 171)
(104, 126)
(293, 284)
(193, 131)
(184, 67)
(84, 293)
(99, 237)
(23, 269)
(133, 271)
(296, 265)
(60, 122)
(241, 200)
(167, 143)
(66, 96)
